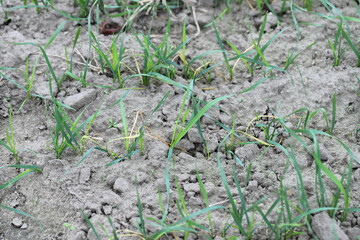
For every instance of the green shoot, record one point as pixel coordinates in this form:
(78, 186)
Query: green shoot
(6, 19)
(223, 51)
(11, 139)
(336, 47)
(113, 124)
(307, 4)
(353, 46)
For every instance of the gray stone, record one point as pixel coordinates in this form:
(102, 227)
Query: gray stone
(121, 185)
(247, 152)
(16, 36)
(271, 21)
(210, 189)
(192, 187)
(253, 185)
(226, 119)
(203, 18)
(326, 228)
(110, 198)
(212, 144)
(24, 226)
(187, 157)
(110, 180)
(193, 136)
(17, 222)
(353, 233)
(185, 144)
(107, 209)
(324, 155)
(183, 177)
(44, 90)
(84, 175)
(304, 237)
(80, 235)
(195, 201)
(79, 100)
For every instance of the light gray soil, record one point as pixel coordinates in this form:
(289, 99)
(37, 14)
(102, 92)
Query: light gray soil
(55, 198)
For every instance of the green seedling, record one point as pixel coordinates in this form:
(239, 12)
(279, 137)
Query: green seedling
(84, 7)
(203, 192)
(29, 79)
(10, 138)
(113, 124)
(69, 64)
(36, 3)
(6, 18)
(353, 45)
(68, 226)
(307, 4)
(245, 56)
(113, 63)
(336, 47)
(64, 132)
(291, 57)
(158, 59)
(223, 51)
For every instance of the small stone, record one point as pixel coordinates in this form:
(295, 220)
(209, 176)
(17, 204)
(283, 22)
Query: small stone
(107, 209)
(324, 156)
(110, 198)
(14, 203)
(325, 228)
(84, 175)
(24, 226)
(121, 185)
(194, 136)
(187, 157)
(194, 187)
(185, 144)
(210, 189)
(79, 100)
(203, 18)
(183, 177)
(80, 235)
(253, 185)
(44, 90)
(304, 237)
(17, 222)
(353, 233)
(195, 202)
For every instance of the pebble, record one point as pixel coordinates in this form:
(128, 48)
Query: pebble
(85, 174)
(194, 187)
(110, 198)
(353, 233)
(79, 100)
(252, 185)
(193, 136)
(17, 222)
(44, 90)
(324, 155)
(107, 209)
(121, 185)
(324, 227)
(24, 226)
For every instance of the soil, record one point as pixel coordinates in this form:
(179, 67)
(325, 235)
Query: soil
(55, 198)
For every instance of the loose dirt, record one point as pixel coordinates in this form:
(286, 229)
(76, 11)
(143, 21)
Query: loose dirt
(55, 198)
